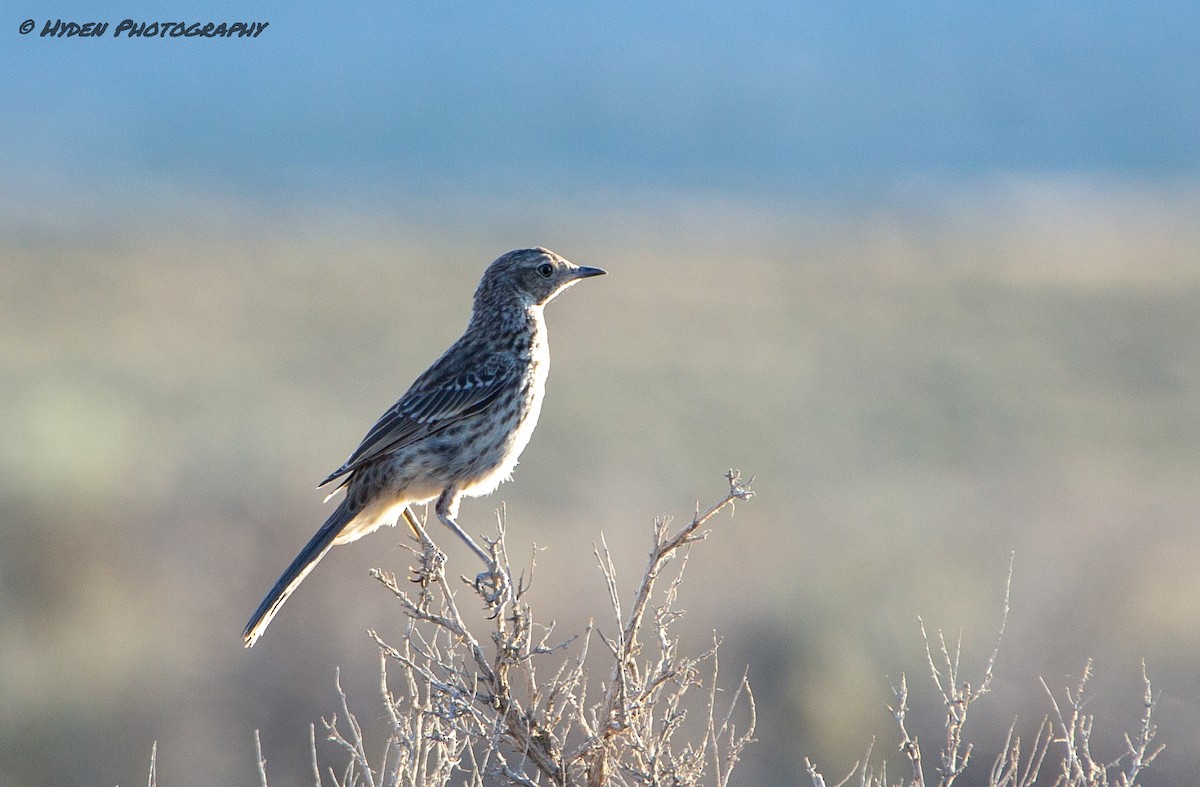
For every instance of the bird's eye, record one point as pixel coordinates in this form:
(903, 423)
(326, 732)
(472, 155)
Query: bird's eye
(545, 270)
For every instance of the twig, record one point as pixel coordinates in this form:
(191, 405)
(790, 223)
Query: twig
(152, 780)
(262, 761)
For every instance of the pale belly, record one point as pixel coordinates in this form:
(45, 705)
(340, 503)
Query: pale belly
(386, 509)
(524, 431)
(503, 472)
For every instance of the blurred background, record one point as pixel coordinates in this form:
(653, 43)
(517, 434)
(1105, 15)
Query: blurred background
(928, 271)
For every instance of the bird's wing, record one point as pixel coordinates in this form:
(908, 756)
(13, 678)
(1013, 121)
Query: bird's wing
(440, 397)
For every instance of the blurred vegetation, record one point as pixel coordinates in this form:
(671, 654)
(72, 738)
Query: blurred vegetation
(921, 382)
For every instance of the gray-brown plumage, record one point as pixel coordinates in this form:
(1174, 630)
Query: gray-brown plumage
(459, 429)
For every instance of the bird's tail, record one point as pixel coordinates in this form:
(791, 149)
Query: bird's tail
(305, 562)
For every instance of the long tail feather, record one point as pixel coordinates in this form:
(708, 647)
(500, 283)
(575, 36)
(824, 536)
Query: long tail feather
(305, 562)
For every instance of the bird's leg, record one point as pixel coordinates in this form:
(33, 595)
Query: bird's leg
(492, 583)
(447, 511)
(432, 558)
(408, 516)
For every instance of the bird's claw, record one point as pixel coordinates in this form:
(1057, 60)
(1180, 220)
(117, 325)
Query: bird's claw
(432, 560)
(492, 585)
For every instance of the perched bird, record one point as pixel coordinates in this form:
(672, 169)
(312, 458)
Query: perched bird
(459, 429)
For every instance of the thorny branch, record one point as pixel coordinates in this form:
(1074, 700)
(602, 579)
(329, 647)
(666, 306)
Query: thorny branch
(1079, 767)
(476, 706)
(1012, 767)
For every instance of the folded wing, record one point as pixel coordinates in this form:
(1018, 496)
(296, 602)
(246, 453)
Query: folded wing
(440, 397)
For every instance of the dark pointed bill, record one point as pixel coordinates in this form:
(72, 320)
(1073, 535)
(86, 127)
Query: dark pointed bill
(583, 272)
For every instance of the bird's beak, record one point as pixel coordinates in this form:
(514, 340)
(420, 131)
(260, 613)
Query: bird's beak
(583, 272)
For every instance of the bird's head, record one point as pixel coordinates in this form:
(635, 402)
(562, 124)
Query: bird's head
(530, 276)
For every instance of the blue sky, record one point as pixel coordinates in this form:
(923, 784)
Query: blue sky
(759, 98)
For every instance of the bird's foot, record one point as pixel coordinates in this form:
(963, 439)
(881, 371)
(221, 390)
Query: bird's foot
(493, 585)
(432, 565)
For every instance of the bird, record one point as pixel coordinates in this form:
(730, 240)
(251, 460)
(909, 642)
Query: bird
(458, 430)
